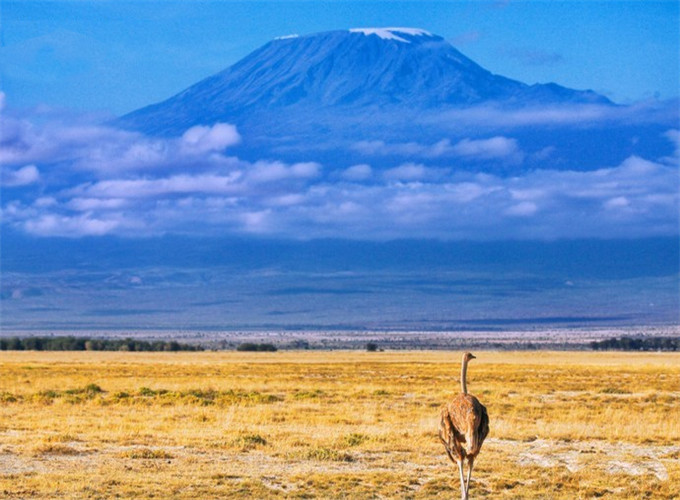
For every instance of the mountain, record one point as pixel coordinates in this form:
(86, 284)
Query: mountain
(340, 94)
(359, 68)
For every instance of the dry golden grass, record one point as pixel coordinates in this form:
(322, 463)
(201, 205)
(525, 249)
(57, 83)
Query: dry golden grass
(334, 425)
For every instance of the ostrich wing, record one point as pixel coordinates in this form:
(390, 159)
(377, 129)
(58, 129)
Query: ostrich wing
(450, 436)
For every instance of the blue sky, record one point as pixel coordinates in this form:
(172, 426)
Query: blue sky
(117, 56)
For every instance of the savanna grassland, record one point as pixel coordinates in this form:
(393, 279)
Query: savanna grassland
(334, 425)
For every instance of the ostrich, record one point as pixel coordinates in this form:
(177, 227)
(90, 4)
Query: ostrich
(464, 426)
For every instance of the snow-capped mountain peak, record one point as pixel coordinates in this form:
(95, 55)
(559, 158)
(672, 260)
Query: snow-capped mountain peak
(392, 33)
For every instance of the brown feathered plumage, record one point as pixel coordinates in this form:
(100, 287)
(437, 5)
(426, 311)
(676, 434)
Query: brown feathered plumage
(463, 428)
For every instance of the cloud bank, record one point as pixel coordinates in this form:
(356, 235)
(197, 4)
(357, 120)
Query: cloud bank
(75, 179)
(492, 148)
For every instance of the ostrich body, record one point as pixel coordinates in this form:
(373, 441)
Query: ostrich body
(464, 426)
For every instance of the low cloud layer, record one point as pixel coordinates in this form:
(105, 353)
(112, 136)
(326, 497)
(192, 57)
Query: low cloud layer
(494, 117)
(75, 179)
(493, 148)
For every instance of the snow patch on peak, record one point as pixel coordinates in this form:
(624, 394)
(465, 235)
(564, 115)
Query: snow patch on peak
(287, 37)
(392, 33)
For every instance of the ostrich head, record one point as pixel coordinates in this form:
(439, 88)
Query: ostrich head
(468, 356)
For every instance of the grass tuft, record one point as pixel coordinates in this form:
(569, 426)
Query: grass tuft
(313, 394)
(355, 439)
(146, 454)
(6, 397)
(324, 454)
(613, 390)
(247, 442)
(55, 449)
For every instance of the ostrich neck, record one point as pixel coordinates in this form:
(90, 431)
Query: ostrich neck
(463, 377)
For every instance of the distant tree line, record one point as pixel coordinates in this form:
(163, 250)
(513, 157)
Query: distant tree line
(637, 344)
(88, 344)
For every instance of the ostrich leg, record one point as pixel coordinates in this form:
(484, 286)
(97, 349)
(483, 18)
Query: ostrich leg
(463, 488)
(471, 461)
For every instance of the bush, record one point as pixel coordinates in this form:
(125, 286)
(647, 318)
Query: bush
(371, 347)
(250, 346)
(637, 344)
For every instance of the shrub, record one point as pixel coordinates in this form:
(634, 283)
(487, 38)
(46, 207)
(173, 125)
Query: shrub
(252, 347)
(637, 344)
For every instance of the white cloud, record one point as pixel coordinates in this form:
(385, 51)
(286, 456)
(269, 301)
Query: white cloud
(523, 209)
(149, 188)
(305, 170)
(382, 148)
(287, 200)
(406, 172)
(81, 225)
(263, 172)
(256, 222)
(673, 135)
(91, 204)
(441, 148)
(466, 192)
(544, 153)
(487, 149)
(635, 166)
(616, 203)
(359, 172)
(490, 117)
(528, 193)
(23, 142)
(493, 148)
(46, 201)
(110, 151)
(20, 177)
(216, 138)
